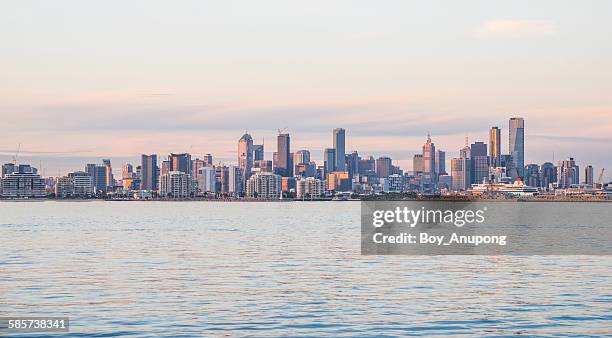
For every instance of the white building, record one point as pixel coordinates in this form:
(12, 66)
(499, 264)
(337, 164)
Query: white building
(235, 182)
(175, 184)
(309, 187)
(76, 184)
(395, 183)
(264, 186)
(23, 183)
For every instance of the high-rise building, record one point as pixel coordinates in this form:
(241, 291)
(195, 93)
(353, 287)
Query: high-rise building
(110, 180)
(99, 174)
(384, 167)
(75, 184)
(532, 175)
(207, 182)
(301, 157)
(461, 169)
(517, 144)
(309, 187)
(429, 161)
(340, 146)
(264, 186)
(208, 160)
(235, 180)
(245, 156)
(588, 175)
(176, 184)
(127, 171)
(282, 163)
(180, 162)
(568, 173)
(480, 162)
(222, 178)
(149, 172)
(7, 168)
(339, 181)
(548, 174)
(417, 164)
(195, 167)
(329, 160)
(258, 152)
(495, 146)
(367, 166)
(352, 163)
(440, 162)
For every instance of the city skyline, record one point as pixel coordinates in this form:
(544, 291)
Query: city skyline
(189, 78)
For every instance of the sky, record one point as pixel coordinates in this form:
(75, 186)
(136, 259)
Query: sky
(82, 80)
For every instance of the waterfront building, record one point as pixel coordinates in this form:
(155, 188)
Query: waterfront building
(75, 184)
(309, 187)
(480, 162)
(264, 186)
(568, 173)
(176, 184)
(588, 176)
(329, 160)
(206, 180)
(180, 162)
(340, 146)
(23, 182)
(429, 161)
(517, 144)
(440, 162)
(384, 167)
(149, 172)
(110, 180)
(235, 180)
(283, 161)
(495, 146)
(245, 156)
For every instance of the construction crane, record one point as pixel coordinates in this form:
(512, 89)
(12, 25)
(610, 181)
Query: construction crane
(600, 178)
(282, 130)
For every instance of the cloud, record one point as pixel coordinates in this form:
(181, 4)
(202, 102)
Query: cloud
(517, 28)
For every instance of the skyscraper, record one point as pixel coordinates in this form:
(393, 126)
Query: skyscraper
(329, 160)
(180, 162)
(127, 171)
(461, 169)
(110, 180)
(339, 145)
(245, 156)
(429, 161)
(384, 167)
(208, 160)
(440, 162)
(495, 146)
(548, 174)
(588, 175)
(568, 173)
(301, 157)
(480, 163)
(417, 164)
(149, 172)
(282, 163)
(517, 144)
(258, 152)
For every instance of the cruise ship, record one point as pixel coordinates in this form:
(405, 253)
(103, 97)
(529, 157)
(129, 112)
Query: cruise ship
(516, 189)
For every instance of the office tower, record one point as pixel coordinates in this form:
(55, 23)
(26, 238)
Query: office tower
(165, 167)
(258, 152)
(222, 178)
(517, 144)
(440, 162)
(339, 145)
(568, 173)
(532, 175)
(7, 168)
(367, 166)
(417, 164)
(282, 163)
(127, 171)
(352, 163)
(176, 184)
(110, 180)
(548, 174)
(208, 160)
(99, 173)
(149, 172)
(480, 162)
(495, 146)
(207, 181)
(383, 167)
(329, 160)
(429, 161)
(588, 175)
(339, 181)
(306, 169)
(23, 182)
(301, 157)
(461, 169)
(235, 180)
(263, 165)
(195, 167)
(180, 162)
(264, 186)
(245, 155)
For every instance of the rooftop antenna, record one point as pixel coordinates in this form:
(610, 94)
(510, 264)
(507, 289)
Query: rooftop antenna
(17, 153)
